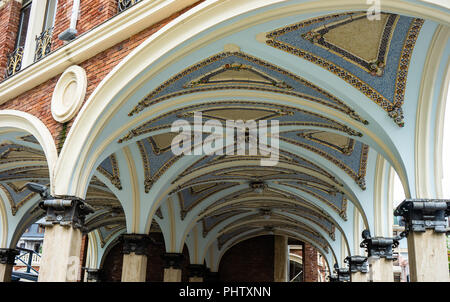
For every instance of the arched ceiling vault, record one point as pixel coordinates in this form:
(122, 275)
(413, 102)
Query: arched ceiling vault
(336, 82)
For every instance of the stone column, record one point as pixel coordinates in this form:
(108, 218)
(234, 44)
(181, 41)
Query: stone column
(94, 274)
(425, 227)
(196, 272)
(357, 266)
(280, 258)
(135, 249)
(172, 267)
(7, 257)
(62, 240)
(380, 257)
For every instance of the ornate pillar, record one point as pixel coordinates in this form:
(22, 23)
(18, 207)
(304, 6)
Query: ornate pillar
(379, 250)
(62, 240)
(280, 258)
(135, 249)
(357, 266)
(196, 272)
(172, 266)
(7, 257)
(94, 274)
(425, 227)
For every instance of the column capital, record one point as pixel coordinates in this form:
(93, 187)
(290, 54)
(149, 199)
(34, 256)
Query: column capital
(7, 256)
(333, 278)
(172, 260)
(66, 211)
(422, 214)
(343, 274)
(196, 270)
(93, 274)
(357, 264)
(135, 243)
(379, 246)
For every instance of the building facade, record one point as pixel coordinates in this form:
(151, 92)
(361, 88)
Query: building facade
(204, 140)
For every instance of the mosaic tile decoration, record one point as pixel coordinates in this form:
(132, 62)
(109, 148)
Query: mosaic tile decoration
(382, 80)
(237, 70)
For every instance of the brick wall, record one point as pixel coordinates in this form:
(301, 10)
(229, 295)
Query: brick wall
(37, 101)
(9, 24)
(310, 264)
(249, 261)
(112, 266)
(92, 13)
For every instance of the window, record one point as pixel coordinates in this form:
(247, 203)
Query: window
(15, 58)
(50, 13)
(23, 23)
(44, 39)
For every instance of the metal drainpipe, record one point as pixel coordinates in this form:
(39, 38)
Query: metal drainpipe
(70, 33)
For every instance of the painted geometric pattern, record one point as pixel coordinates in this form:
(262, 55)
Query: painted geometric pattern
(268, 225)
(156, 157)
(236, 70)
(244, 205)
(238, 110)
(285, 157)
(372, 56)
(189, 198)
(110, 169)
(336, 200)
(348, 154)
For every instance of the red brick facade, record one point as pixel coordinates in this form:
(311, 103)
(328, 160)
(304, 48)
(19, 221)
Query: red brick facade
(249, 261)
(9, 24)
(310, 265)
(37, 101)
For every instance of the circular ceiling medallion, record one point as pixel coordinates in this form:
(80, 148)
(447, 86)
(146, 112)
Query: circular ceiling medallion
(69, 94)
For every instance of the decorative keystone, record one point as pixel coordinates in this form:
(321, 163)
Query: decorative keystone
(135, 243)
(379, 246)
(173, 260)
(422, 214)
(196, 270)
(357, 264)
(7, 256)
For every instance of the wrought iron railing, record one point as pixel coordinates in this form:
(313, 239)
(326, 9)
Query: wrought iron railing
(14, 62)
(125, 4)
(29, 258)
(43, 44)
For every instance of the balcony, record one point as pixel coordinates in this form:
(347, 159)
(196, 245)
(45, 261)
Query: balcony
(125, 4)
(14, 62)
(43, 44)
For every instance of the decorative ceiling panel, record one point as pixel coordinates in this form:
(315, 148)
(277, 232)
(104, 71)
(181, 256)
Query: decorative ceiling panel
(372, 56)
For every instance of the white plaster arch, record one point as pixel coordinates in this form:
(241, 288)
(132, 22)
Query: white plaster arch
(18, 120)
(178, 31)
